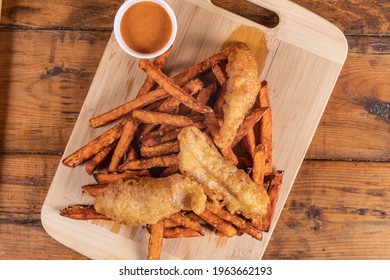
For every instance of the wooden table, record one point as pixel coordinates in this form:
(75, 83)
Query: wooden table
(339, 205)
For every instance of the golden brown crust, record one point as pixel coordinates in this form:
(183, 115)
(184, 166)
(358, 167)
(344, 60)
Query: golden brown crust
(224, 182)
(242, 88)
(146, 200)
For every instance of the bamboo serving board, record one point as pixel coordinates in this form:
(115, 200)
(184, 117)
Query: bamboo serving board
(303, 58)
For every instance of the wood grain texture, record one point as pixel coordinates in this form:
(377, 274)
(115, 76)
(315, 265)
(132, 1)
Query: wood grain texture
(44, 75)
(31, 242)
(60, 14)
(354, 17)
(356, 122)
(24, 182)
(336, 210)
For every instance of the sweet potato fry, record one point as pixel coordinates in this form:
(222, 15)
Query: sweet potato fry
(195, 218)
(160, 136)
(250, 120)
(82, 212)
(94, 189)
(156, 240)
(187, 222)
(266, 127)
(219, 224)
(168, 133)
(169, 223)
(230, 155)
(257, 223)
(94, 146)
(161, 118)
(131, 154)
(97, 159)
(159, 62)
(109, 177)
(205, 65)
(197, 69)
(202, 97)
(220, 100)
(141, 164)
(162, 59)
(222, 78)
(170, 171)
(213, 126)
(205, 94)
(172, 88)
(249, 142)
(259, 165)
(126, 108)
(172, 104)
(144, 129)
(128, 133)
(171, 147)
(220, 74)
(237, 221)
(180, 232)
(273, 193)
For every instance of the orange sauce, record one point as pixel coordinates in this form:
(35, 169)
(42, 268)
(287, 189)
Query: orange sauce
(146, 27)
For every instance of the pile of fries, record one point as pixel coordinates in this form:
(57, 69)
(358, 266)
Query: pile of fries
(144, 142)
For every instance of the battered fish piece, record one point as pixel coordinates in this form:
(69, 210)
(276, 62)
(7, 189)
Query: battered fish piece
(242, 88)
(224, 183)
(147, 200)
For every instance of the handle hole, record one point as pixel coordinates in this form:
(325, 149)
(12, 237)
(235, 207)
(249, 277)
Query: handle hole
(249, 11)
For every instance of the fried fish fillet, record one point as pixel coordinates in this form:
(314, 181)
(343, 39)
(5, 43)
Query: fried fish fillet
(242, 88)
(146, 200)
(224, 183)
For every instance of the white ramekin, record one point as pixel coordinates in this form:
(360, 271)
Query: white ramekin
(118, 17)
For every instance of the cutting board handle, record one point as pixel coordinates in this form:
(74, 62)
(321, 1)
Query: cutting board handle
(297, 26)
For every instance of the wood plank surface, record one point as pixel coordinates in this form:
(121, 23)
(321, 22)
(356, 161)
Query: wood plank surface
(356, 122)
(337, 209)
(354, 17)
(45, 75)
(25, 180)
(60, 14)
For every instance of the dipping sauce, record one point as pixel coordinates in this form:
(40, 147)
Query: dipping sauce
(146, 27)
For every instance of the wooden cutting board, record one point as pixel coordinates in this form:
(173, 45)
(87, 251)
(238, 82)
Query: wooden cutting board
(303, 58)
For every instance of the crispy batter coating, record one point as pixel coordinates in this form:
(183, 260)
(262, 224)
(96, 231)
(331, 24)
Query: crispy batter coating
(224, 183)
(242, 89)
(146, 200)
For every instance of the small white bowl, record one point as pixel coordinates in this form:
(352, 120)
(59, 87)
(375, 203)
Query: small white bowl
(118, 35)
